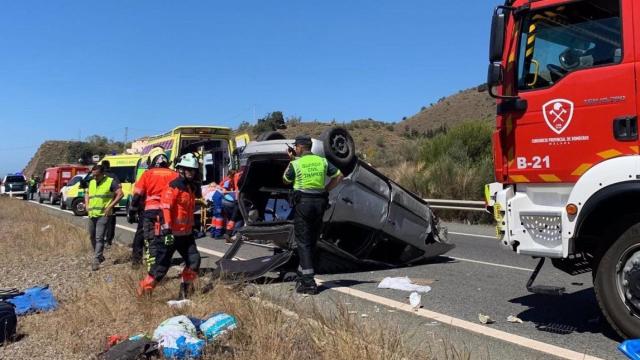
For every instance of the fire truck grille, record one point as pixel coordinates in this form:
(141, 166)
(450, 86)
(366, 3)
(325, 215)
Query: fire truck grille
(545, 230)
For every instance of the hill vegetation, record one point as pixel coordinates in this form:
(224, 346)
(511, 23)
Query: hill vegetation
(466, 105)
(53, 152)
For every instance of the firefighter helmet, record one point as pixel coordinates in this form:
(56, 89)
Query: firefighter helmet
(188, 161)
(153, 160)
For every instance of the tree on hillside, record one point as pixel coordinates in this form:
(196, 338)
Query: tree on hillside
(272, 121)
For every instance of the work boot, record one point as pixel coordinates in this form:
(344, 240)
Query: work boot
(146, 286)
(101, 259)
(95, 265)
(306, 285)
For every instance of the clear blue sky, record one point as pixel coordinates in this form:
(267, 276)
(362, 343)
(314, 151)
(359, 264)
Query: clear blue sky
(77, 68)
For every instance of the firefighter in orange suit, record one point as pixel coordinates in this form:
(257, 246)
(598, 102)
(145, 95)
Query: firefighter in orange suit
(146, 201)
(176, 232)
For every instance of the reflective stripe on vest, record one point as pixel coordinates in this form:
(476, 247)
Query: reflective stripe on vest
(310, 172)
(99, 196)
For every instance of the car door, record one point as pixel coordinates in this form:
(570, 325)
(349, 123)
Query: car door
(362, 199)
(409, 218)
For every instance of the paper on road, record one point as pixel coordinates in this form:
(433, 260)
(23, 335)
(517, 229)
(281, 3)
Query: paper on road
(402, 283)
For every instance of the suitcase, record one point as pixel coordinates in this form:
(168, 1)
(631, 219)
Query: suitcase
(8, 322)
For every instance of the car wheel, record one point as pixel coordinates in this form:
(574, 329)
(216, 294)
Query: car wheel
(339, 148)
(270, 135)
(617, 283)
(78, 207)
(40, 198)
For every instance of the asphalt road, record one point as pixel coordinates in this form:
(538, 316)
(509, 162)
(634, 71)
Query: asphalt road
(478, 276)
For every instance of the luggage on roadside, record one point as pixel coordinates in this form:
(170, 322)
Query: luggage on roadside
(8, 322)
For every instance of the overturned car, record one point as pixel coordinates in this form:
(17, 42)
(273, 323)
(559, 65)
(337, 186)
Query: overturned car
(370, 222)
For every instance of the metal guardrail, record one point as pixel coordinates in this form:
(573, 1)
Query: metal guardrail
(465, 205)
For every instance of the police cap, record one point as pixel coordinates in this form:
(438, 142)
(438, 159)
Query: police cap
(303, 140)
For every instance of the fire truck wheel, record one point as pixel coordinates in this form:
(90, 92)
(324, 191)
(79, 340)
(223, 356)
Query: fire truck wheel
(617, 283)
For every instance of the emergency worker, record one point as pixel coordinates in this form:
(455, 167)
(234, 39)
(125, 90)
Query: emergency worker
(103, 194)
(176, 233)
(32, 184)
(145, 203)
(110, 231)
(308, 173)
(217, 211)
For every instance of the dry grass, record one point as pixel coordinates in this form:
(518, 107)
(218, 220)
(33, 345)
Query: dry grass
(103, 303)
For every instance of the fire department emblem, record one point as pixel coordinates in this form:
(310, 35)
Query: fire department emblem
(558, 114)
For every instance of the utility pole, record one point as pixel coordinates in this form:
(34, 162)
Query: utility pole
(126, 135)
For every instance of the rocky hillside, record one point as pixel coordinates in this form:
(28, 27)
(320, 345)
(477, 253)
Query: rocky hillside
(50, 154)
(448, 111)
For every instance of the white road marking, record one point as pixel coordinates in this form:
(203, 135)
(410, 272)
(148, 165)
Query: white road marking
(467, 325)
(446, 319)
(474, 235)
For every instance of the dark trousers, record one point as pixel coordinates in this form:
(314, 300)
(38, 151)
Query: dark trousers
(97, 227)
(307, 223)
(110, 231)
(137, 248)
(161, 254)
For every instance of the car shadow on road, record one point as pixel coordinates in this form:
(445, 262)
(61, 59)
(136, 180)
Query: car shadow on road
(574, 312)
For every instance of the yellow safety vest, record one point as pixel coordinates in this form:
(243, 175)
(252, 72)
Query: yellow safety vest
(99, 196)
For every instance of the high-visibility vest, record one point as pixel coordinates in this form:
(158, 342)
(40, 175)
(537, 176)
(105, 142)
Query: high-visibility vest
(311, 172)
(99, 196)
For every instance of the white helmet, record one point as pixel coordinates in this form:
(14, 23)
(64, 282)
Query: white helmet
(188, 161)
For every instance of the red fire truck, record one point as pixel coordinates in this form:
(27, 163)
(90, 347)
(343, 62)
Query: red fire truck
(566, 147)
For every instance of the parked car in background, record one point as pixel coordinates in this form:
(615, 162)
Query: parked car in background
(64, 198)
(370, 221)
(54, 178)
(14, 185)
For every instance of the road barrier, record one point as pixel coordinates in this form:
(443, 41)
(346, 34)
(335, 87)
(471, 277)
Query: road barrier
(465, 205)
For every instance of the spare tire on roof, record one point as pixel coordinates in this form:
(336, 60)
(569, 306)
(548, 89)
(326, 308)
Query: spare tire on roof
(270, 135)
(339, 148)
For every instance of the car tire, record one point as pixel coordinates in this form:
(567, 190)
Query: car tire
(40, 198)
(270, 135)
(78, 208)
(607, 283)
(339, 148)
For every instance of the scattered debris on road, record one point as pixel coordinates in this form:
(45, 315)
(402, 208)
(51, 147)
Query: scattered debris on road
(45, 228)
(514, 319)
(485, 319)
(402, 283)
(415, 299)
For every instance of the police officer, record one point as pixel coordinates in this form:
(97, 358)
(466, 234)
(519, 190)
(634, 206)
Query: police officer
(308, 172)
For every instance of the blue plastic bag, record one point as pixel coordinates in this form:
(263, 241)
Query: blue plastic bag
(35, 299)
(217, 324)
(631, 348)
